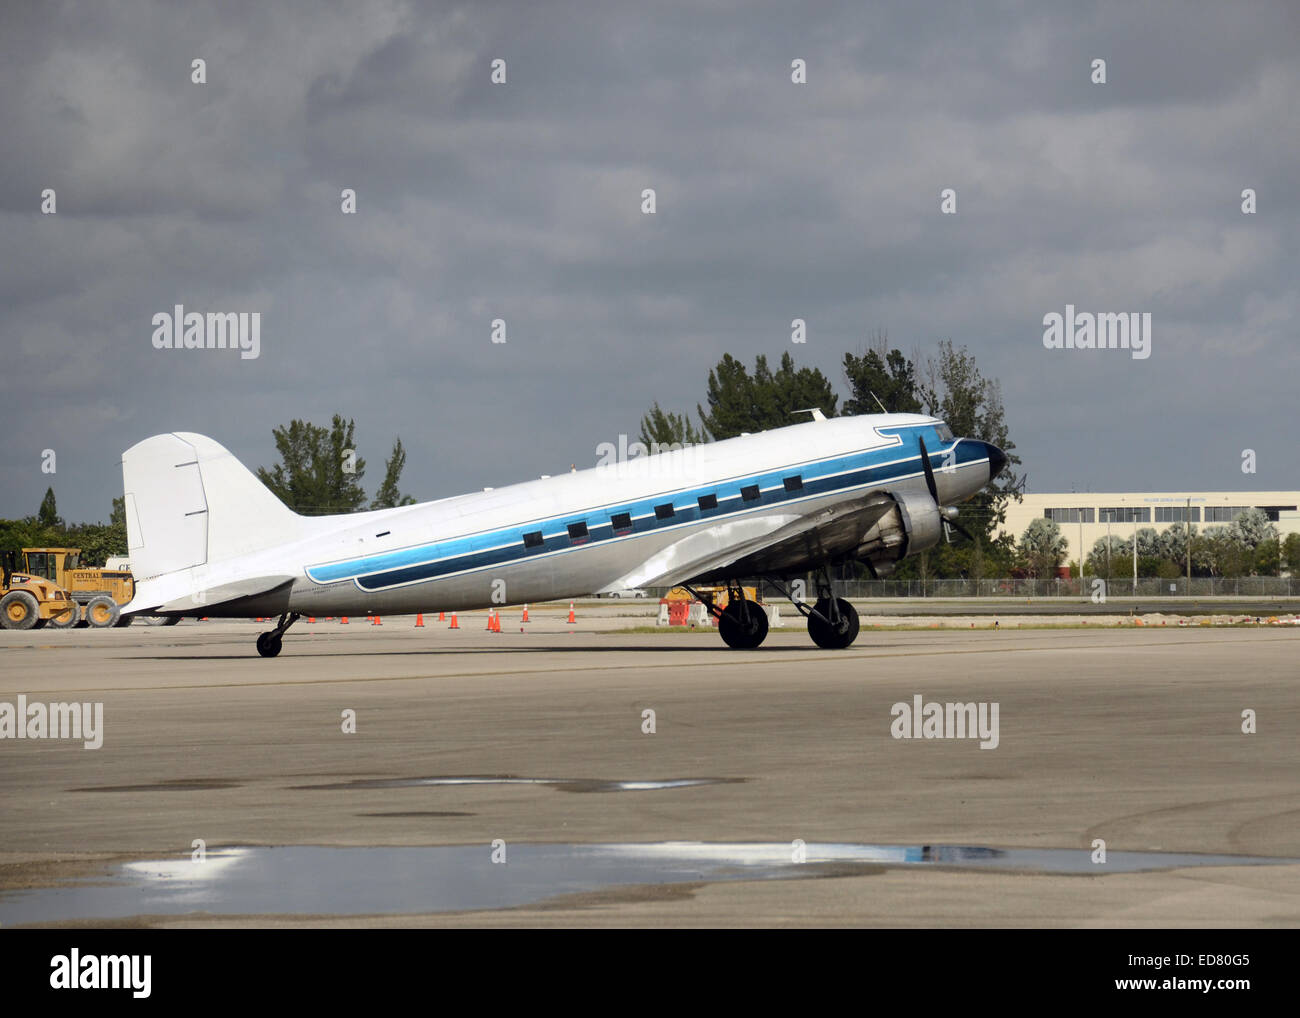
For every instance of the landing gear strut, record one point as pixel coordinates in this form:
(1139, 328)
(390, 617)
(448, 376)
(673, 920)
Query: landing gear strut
(268, 643)
(742, 624)
(832, 621)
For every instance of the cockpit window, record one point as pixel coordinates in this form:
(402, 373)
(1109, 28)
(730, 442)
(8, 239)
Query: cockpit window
(944, 432)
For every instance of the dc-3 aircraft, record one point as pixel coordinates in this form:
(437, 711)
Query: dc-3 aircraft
(208, 538)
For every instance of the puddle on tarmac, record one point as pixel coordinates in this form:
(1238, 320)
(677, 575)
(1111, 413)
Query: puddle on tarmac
(308, 879)
(564, 784)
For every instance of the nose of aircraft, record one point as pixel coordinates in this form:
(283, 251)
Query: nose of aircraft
(997, 461)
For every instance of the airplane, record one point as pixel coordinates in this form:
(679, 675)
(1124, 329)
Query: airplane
(207, 538)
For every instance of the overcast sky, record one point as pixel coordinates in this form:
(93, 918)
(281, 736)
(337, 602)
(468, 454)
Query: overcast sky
(522, 201)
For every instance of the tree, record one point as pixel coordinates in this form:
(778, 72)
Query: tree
(388, 494)
(1113, 558)
(1042, 547)
(319, 472)
(1173, 544)
(883, 374)
(660, 428)
(1253, 526)
(1291, 554)
(739, 403)
(48, 514)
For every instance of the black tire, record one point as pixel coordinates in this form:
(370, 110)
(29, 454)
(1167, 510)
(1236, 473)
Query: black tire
(18, 610)
(102, 612)
(124, 620)
(68, 619)
(743, 633)
(834, 638)
(268, 644)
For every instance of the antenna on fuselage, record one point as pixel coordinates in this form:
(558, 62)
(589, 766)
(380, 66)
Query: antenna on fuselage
(815, 411)
(878, 403)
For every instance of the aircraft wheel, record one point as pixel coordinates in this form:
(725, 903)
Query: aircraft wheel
(746, 633)
(268, 645)
(102, 612)
(123, 621)
(834, 637)
(18, 610)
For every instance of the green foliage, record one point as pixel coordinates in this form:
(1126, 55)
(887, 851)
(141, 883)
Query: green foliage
(885, 375)
(739, 402)
(1291, 554)
(389, 494)
(48, 514)
(319, 472)
(666, 428)
(97, 541)
(1042, 548)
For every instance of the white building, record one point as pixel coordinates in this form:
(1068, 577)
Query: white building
(1089, 516)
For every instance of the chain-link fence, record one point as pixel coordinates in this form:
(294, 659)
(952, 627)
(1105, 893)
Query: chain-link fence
(1208, 586)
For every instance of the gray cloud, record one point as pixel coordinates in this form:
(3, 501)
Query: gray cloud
(521, 202)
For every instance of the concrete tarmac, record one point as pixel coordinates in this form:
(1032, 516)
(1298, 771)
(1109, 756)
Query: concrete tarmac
(1128, 735)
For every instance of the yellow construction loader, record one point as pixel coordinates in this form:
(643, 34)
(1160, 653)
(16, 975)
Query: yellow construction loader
(99, 593)
(29, 602)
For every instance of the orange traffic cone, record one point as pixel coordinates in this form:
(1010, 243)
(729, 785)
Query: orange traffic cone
(572, 618)
(496, 622)
(376, 622)
(343, 621)
(454, 623)
(442, 616)
(489, 625)
(419, 620)
(525, 618)
(311, 618)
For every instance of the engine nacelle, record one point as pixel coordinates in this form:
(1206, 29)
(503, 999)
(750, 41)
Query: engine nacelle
(911, 526)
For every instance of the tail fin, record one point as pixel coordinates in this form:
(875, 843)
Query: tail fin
(190, 503)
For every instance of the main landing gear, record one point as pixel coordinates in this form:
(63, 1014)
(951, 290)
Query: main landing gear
(268, 643)
(742, 624)
(832, 621)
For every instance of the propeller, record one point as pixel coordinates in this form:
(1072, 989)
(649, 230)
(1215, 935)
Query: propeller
(934, 490)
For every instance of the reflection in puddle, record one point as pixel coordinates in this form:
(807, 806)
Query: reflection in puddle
(309, 879)
(565, 784)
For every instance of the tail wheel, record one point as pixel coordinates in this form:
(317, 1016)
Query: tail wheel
(18, 610)
(837, 636)
(268, 644)
(743, 625)
(68, 618)
(102, 612)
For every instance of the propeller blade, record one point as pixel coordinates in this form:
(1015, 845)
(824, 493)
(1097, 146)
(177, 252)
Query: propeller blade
(929, 473)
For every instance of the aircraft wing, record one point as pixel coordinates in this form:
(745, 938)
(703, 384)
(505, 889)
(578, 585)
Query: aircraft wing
(771, 543)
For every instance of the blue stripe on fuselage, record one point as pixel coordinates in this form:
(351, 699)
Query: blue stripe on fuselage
(492, 548)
